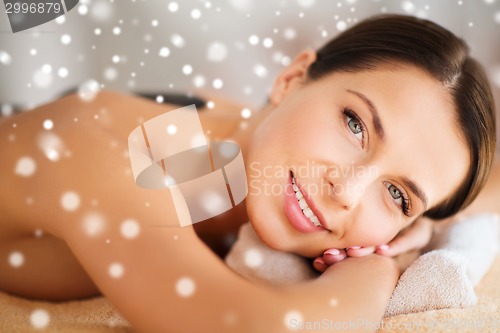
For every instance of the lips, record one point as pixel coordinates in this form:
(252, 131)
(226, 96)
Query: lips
(294, 213)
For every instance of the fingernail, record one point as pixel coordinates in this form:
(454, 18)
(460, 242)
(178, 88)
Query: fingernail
(332, 252)
(319, 261)
(354, 247)
(383, 247)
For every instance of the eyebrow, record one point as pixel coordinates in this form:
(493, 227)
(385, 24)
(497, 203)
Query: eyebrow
(417, 191)
(377, 123)
(379, 130)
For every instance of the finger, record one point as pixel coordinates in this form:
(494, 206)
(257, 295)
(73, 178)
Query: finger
(360, 252)
(415, 237)
(333, 256)
(319, 265)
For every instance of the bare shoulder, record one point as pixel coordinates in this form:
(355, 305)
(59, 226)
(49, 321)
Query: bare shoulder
(72, 149)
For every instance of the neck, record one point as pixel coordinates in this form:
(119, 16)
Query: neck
(243, 136)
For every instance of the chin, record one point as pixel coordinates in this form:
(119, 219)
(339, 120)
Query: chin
(267, 226)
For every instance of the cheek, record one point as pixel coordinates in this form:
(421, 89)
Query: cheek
(373, 228)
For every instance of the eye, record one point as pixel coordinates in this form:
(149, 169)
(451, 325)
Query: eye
(400, 197)
(355, 125)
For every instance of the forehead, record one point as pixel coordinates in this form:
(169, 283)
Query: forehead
(422, 138)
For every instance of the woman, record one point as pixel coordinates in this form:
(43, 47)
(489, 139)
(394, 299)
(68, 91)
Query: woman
(394, 95)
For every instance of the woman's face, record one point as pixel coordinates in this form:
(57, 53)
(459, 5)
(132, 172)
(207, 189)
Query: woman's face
(369, 151)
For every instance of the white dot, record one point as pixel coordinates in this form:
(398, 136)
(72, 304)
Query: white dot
(39, 319)
(212, 202)
(260, 70)
(62, 72)
(33, 52)
(246, 113)
(177, 40)
(185, 287)
(497, 17)
(187, 69)
(173, 7)
(289, 33)
(199, 81)
(154, 23)
(66, 39)
(216, 52)
(115, 59)
(334, 302)
(97, 31)
(471, 24)
(195, 14)
(42, 78)
(293, 319)
(408, 6)
(83, 9)
(159, 99)
(7, 110)
(38, 233)
(46, 68)
(241, 5)
(267, 42)
(101, 10)
(247, 90)
(210, 104)
(164, 52)
(48, 124)
(51, 145)
(217, 83)
(306, 3)
(88, 90)
(489, 2)
(5, 58)
(110, 73)
(61, 19)
(117, 30)
(253, 40)
(341, 25)
(171, 129)
(70, 201)
(198, 140)
(130, 228)
(253, 258)
(93, 224)
(16, 259)
(25, 167)
(116, 270)
(230, 318)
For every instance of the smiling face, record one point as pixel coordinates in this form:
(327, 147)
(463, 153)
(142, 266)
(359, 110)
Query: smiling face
(369, 151)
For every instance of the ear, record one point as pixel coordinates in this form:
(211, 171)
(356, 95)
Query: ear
(292, 76)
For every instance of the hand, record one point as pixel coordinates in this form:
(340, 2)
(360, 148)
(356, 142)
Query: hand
(416, 236)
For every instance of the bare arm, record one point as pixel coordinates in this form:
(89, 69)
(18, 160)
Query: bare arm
(165, 278)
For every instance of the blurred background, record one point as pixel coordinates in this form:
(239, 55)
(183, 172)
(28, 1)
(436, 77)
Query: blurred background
(228, 48)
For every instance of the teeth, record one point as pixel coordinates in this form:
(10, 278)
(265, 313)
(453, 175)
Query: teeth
(303, 205)
(298, 194)
(308, 212)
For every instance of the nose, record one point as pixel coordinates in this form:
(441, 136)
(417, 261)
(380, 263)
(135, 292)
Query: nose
(348, 184)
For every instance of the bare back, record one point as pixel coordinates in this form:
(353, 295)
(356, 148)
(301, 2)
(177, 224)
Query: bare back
(30, 223)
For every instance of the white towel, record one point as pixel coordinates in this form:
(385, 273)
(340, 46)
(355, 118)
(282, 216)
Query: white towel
(459, 255)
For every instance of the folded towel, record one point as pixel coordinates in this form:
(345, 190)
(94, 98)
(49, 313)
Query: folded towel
(460, 254)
